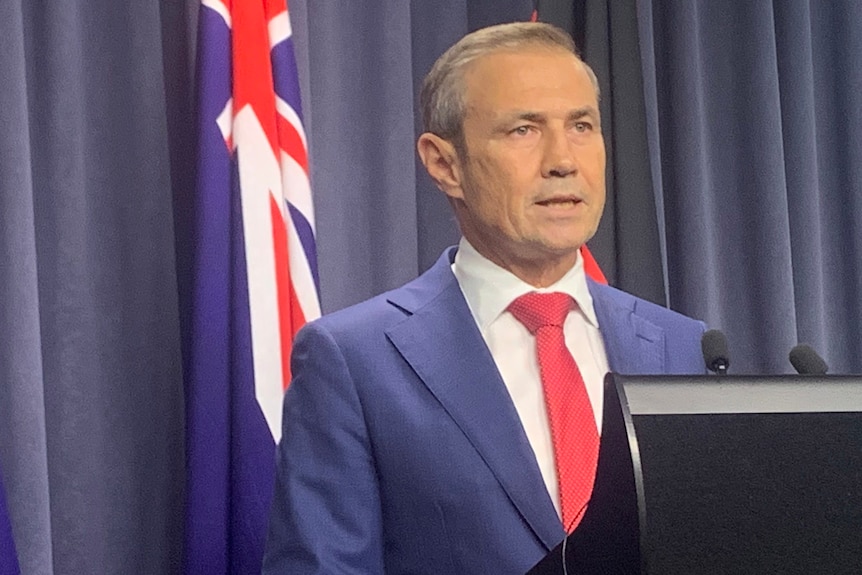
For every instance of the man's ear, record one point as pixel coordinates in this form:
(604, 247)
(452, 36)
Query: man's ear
(442, 162)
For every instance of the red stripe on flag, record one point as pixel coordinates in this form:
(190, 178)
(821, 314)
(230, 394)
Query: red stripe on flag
(291, 142)
(283, 287)
(297, 320)
(591, 266)
(273, 8)
(252, 71)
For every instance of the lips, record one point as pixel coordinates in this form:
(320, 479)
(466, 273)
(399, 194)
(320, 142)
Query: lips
(561, 201)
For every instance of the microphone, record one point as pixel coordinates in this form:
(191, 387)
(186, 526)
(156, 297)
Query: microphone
(715, 355)
(806, 361)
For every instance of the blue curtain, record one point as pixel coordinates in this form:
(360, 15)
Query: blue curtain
(755, 130)
(91, 430)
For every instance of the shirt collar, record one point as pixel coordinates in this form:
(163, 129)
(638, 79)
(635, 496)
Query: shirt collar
(489, 289)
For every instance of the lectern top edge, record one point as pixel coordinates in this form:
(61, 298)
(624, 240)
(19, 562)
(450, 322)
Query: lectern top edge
(683, 395)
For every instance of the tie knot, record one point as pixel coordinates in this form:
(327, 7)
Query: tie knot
(536, 310)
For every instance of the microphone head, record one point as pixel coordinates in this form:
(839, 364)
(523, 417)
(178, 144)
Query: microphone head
(806, 361)
(715, 355)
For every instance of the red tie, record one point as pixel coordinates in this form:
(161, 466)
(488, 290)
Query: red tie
(570, 414)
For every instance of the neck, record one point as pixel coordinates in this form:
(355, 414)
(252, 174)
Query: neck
(539, 272)
(539, 276)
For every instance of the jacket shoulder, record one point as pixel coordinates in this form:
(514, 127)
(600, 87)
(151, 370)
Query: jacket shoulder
(389, 308)
(650, 311)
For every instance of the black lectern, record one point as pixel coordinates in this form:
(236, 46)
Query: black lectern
(740, 475)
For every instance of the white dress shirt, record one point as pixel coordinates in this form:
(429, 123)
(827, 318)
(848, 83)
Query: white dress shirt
(489, 289)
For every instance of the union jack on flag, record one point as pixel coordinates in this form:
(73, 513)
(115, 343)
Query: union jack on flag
(254, 277)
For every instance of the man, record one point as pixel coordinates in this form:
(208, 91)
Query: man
(435, 428)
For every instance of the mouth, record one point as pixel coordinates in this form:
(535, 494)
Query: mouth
(560, 201)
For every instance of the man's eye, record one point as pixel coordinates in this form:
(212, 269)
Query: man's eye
(521, 130)
(583, 126)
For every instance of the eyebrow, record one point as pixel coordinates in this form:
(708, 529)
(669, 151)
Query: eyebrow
(586, 111)
(539, 118)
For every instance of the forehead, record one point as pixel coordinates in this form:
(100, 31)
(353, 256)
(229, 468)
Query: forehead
(533, 77)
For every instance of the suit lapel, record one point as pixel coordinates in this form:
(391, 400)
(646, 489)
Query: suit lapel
(443, 345)
(633, 344)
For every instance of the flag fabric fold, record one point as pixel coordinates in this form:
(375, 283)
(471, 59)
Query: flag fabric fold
(254, 278)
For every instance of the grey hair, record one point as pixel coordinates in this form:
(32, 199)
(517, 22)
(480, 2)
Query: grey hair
(442, 96)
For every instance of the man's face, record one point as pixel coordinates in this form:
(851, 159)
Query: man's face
(532, 184)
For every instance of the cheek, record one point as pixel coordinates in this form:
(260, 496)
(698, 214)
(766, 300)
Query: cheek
(594, 167)
(499, 189)
(488, 186)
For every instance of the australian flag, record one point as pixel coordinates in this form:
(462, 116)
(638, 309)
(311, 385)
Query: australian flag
(8, 556)
(254, 277)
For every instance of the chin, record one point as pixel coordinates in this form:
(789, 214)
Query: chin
(557, 252)
(563, 247)
(562, 240)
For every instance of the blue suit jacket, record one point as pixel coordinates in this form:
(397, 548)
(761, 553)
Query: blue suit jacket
(402, 451)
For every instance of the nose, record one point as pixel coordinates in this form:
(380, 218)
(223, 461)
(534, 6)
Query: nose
(559, 157)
